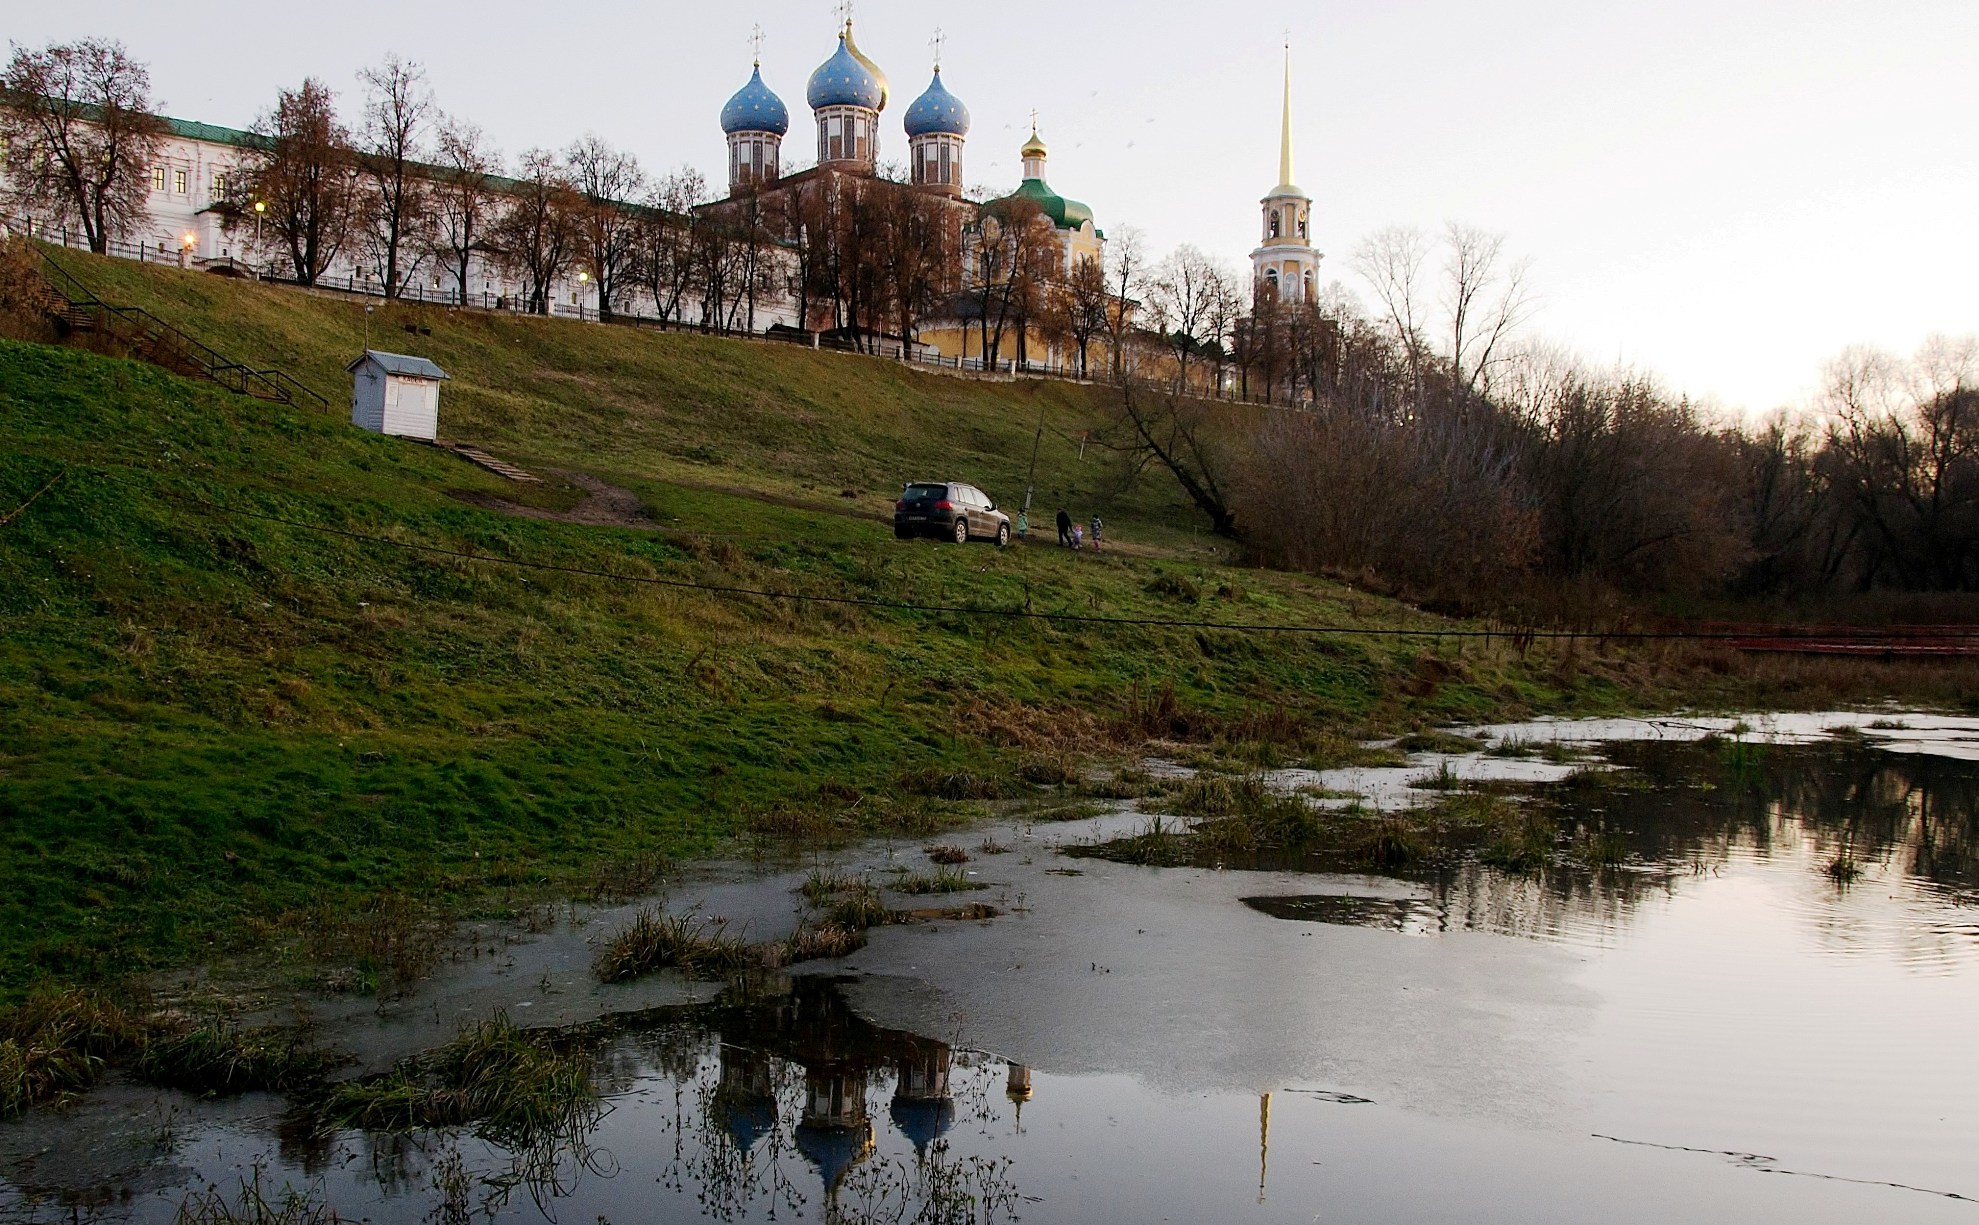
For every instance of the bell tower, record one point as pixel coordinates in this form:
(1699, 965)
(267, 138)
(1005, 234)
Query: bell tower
(1285, 260)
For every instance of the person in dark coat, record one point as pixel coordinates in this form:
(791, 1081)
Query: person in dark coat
(1064, 528)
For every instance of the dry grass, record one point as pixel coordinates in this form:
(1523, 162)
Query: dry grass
(654, 940)
(947, 854)
(941, 880)
(516, 1085)
(824, 942)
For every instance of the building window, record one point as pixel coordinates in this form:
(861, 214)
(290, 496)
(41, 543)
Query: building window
(179, 182)
(948, 167)
(1274, 223)
(158, 178)
(219, 186)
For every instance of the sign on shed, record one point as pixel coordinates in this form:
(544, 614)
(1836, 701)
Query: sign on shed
(392, 393)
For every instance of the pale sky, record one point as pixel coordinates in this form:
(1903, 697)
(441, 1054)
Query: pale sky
(1727, 192)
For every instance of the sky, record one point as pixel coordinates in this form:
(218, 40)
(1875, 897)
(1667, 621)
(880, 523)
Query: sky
(1724, 192)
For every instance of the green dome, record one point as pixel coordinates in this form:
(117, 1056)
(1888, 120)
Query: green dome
(1065, 214)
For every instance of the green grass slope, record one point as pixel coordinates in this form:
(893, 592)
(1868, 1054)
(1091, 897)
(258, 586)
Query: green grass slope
(215, 710)
(713, 411)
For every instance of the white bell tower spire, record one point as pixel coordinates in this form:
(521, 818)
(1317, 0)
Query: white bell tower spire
(1285, 262)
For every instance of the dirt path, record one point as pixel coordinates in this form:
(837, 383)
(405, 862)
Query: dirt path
(604, 505)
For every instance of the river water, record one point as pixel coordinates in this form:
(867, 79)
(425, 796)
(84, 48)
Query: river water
(1712, 1028)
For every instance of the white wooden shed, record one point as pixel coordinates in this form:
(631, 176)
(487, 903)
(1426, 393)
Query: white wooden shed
(392, 393)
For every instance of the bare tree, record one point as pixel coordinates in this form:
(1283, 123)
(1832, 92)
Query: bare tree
(1083, 305)
(608, 179)
(463, 197)
(1486, 300)
(1191, 302)
(1391, 262)
(921, 240)
(1126, 266)
(398, 109)
(303, 186)
(1174, 432)
(538, 233)
(1012, 249)
(667, 239)
(77, 136)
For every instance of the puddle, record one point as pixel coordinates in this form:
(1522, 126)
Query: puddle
(1711, 1028)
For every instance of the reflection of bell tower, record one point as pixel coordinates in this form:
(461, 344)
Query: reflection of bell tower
(1018, 1090)
(1263, 1141)
(835, 1131)
(745, 1099)
(1285, 261)
(922, 1108)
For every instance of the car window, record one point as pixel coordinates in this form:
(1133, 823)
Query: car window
(925, 493)
(972, 495)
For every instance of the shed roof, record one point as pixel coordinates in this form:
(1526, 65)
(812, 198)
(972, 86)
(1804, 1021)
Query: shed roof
(400, 363)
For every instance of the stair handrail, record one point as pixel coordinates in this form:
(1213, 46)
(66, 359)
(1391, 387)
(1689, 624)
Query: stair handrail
(281, 385)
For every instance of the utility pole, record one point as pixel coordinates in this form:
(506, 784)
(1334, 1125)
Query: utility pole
(1032, 482)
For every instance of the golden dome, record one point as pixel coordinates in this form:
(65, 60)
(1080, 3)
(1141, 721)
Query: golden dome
(1033, 147)
(870, 66)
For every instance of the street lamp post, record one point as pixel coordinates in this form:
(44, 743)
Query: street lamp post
(368, 308)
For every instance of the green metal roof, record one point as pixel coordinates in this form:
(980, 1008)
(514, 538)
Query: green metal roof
(1065, 214)
(213, 133)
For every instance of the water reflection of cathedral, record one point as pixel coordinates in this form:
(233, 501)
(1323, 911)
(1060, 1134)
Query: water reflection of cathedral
(805, 1026)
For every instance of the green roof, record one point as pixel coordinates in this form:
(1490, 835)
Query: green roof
(1065, 214)
(214, 133)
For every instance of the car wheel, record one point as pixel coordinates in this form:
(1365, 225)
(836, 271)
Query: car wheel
(961, 530)
(1003, 536)
(901, 533)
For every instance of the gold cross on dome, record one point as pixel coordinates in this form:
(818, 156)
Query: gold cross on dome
(756, 44)
(937, 42)
(844, 9)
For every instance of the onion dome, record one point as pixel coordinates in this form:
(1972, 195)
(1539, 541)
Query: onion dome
(937, 113)
(846, 79)
(1033, 147)
(755, 108)
(923, 1120)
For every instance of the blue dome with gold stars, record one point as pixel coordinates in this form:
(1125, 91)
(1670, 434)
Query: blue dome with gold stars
(756, 108)
(846, 79)
(937, 112)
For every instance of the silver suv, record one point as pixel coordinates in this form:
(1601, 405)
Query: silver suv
(950, 510)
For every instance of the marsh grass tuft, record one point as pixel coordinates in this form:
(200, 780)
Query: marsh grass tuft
(947, 855)
(221, 1060)
(1603, 850)
(941, 880)
(1522, 843)
(823, 884)
(514, 1085)
(952, 785)
(254, 1205)
(654, 940)
(1392, 842)
(823, 943)
(56, 1044)
(1159, 844)
(1844, 869)
(861, 907)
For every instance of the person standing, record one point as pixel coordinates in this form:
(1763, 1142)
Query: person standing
(1064, 528)
(1096, 527)
(1023, 524)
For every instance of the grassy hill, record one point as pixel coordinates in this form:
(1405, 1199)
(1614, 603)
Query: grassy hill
(242, 694)
(709, 411)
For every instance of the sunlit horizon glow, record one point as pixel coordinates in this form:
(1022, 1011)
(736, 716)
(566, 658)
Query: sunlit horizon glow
(1726, 196)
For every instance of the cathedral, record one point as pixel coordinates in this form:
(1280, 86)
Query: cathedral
(847, 95)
